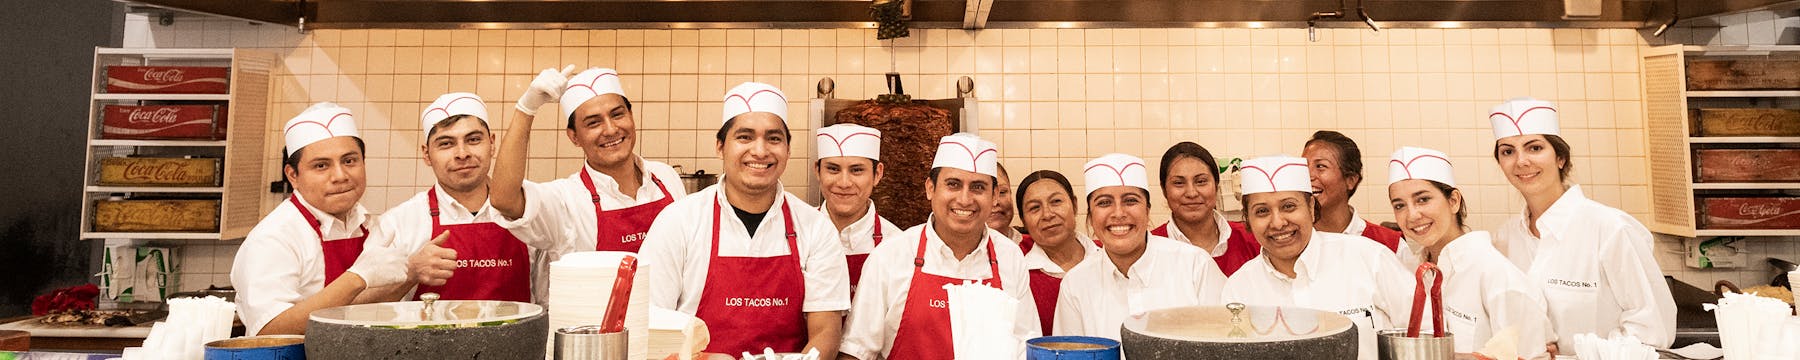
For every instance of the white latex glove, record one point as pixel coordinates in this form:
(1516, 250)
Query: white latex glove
(547, 87)
(380, 266)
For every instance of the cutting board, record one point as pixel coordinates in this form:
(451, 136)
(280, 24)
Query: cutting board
(41, 330)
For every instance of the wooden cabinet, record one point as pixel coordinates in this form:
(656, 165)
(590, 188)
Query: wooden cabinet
(1723, 133)
(204, 185)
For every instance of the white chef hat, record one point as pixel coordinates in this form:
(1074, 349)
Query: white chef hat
(1420, 163)
(588, 84)
(1115, 169)
(849, 140)
(452, 105)
(967, 152)
(1274, 173)
(318, 122)
(755, 97)
(1524, 116)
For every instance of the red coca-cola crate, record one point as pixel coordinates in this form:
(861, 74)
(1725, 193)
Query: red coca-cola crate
(168, 79)
(186, 122)
(1750, 212)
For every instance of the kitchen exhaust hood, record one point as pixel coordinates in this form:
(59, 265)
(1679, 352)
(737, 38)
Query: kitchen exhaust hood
(965, 14)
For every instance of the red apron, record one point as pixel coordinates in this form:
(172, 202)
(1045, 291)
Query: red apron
(925, 322)
(1381, 234)
(856, 261)
(339, 253)
(623, 229)
(751, 303)
(491, 264)
(1240, 248)
(1044, 289)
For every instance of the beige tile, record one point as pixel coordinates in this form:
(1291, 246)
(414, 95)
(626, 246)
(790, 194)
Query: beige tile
(1568, 58)
(1043, 59)
(1016, 59)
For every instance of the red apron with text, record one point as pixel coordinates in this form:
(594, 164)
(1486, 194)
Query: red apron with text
(925, 321)
(339, 253)
(855, 262)
(491, 264)
(623, 229)
(751, 303)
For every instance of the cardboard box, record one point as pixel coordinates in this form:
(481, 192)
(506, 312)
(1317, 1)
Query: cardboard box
(168, 79)
(156, 274)
(1749, 212)
(1747, 165)
(158, 171)
(156, 215)
(180, 122)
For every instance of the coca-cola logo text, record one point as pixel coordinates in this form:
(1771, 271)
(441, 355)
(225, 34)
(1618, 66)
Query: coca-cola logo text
(1759, 210)
(164, 75)
(165, 115)
(162, 172)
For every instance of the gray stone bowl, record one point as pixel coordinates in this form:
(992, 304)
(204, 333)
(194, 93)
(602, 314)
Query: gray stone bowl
(1258, 332)
(461, 330)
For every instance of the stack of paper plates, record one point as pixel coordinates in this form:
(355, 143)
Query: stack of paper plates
(581, 285)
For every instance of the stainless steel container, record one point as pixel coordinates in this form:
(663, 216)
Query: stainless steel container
(588, 343)
(1394, 345)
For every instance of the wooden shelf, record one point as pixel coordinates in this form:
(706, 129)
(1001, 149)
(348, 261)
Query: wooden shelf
(1746, 186)
(1744, 93)
(1742, 139)
(150, 235)
(1757, 232)
(183, 97)
(153, 189)
(169, 143)
(1737, 50)
(220, 54)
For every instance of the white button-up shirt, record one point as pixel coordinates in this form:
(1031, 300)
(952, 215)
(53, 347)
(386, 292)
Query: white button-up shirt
(282, 260)
(1037, 259)
(887, 278)
(1484, 294)
(1597, 269)
(563, 209)
(1348, 275)
(1097, 296)
(677, 252)
(1224, 235)
(859, 237)
(409, 225)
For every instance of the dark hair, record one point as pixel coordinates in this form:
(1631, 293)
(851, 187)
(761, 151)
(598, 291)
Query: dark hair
(1349, 156)
(571, 125)
(1462, 209)
(1558, 145)
(999, 170)
(450, 121)
(720, 136)
(1188, 149)
(1035, 176)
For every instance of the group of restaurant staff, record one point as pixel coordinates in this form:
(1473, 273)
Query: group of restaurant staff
(763, 268)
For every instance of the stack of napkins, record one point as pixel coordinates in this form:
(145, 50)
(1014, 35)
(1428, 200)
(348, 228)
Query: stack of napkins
(675, 332)
(981, 322)
(1742, 321)
(580, 284)
(192, 323)
(1593, 347)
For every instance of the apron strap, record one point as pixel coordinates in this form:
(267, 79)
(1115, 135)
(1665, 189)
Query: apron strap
(993, 261)
(432, 201)
(877, 225)
(312, 222)
(787, 219)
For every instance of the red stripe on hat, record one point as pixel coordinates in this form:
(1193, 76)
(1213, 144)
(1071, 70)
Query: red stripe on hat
(1120, 171)
(325, 125)
(972, 154)
(840, 143)
(753, 96)
(1270, 177)
(1515, 122)
(446, 108)
(1407, 166)
(590, 84)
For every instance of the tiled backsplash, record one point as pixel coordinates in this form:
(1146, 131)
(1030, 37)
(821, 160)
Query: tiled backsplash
(1051, 98)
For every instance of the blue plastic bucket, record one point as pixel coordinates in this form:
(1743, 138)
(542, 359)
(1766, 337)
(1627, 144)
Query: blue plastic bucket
(1071, 348)
(266, 347)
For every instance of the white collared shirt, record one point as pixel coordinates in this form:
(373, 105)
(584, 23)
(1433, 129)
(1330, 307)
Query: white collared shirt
(1484, 295)
(1037, 259)
(282, 260)
(409, 227)
(1224, 235)
(564, 209)
(1348, 275)
(1096, 296)
(677, 252)
(859, 237)
(1597, 270)
(887, 278)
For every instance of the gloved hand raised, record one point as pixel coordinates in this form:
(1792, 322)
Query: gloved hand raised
(547, 87)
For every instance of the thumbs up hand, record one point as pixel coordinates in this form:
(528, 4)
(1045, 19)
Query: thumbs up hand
(433, 264)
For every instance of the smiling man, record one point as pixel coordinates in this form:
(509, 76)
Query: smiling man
(1305, 267)
(849, 167)
(311, 252)
(758, 265)
(899, 310)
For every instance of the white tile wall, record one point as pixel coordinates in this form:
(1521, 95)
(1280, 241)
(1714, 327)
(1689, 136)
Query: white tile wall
(1051, 98)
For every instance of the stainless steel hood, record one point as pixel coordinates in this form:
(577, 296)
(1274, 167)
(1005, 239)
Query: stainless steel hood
(666, 14)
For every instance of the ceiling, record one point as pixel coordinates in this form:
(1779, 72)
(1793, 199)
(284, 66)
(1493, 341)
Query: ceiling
(969, 14)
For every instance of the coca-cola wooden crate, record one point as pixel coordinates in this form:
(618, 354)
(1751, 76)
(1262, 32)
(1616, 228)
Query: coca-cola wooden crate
(1747, 165)
(157, 171)
(168, 79)
(156, 215)
(1747, 122)
(186, 122)
(1743, 74)
(1750, 212)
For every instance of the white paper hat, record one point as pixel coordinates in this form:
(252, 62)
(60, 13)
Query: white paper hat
(1523, 116)
(755, 97)
(849, 140)
(967, 152)
(451, 105)
(1274, 173)
(1420, 163)
(589, 84)
(1115, 170)
(319, 122)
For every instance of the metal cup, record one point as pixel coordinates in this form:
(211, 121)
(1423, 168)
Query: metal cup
(588, 343)
(1394, 345)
